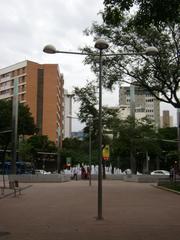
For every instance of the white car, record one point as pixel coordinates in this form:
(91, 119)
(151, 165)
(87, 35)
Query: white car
(41, 171)
(160, 172)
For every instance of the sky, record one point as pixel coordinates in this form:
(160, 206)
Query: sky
(27, 26)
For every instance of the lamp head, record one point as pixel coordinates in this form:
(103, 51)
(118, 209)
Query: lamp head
(101, 44)
(151, 51)
(49, 49)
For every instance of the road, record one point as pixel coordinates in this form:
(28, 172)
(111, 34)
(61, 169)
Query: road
(68, 211)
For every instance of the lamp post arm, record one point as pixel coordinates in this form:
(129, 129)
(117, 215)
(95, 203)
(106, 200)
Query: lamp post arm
(75, 53)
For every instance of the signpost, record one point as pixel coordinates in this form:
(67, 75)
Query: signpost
(106, 153)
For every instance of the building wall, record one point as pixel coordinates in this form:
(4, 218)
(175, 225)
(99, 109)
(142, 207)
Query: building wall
(41, 88)
(145, 103)
(67, 112)
(166, 119)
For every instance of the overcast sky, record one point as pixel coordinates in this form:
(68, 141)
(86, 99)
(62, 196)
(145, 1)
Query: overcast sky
(27, 26)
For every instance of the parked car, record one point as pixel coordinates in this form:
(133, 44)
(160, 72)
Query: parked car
(160, 172)
(41, 171)
(127, 172)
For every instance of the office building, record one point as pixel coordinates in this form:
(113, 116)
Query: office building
(67, 114)
(144, 104)
(40, 86)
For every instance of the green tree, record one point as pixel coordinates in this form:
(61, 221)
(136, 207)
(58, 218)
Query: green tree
(76, 149)
(36, 144)
(147, 12)
(26, 124)
(41, 143)
(25, 151)
(87, 98)
(133, 137)
(159, 75)
(168, 144)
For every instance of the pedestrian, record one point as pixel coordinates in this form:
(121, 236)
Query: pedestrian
(88, 172)
(172, 174)
(75, 173)
(83, 173)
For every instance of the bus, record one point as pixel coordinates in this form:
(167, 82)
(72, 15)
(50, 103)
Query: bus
(21, 167)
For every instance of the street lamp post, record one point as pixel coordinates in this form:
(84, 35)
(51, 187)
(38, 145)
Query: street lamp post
(14, 125)
(90, 150)
(100, 45)
(59, 151)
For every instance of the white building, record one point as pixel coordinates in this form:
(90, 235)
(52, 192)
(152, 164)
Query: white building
(141, 101)
(67, 112)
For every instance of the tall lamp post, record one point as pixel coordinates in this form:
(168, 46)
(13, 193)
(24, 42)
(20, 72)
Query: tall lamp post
(90, 150)
(14, 125)
(101, 45)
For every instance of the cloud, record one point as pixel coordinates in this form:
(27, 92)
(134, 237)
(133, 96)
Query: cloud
(26, 26)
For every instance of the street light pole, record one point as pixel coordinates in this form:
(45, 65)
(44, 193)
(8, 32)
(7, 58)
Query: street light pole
(14, 125)
(59, 151)
(90, 155)
(99, 217)
(100, 44)
(90, 150)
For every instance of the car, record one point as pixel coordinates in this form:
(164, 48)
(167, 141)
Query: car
(160, 172)
(127, 172)
(41, 171)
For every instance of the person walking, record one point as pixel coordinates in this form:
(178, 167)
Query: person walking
(75, 173)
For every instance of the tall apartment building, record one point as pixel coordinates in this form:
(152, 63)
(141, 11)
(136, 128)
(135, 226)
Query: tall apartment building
(145, 104)
(40, 86)
(67, 114)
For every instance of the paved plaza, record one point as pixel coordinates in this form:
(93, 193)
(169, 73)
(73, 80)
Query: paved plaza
(65, 211)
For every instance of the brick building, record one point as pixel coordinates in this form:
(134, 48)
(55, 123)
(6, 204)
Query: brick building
(40, 86)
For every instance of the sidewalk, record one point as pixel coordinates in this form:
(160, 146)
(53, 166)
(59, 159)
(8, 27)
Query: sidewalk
(65, 211)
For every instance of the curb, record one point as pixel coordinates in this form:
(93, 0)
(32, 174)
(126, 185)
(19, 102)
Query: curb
(167, 189)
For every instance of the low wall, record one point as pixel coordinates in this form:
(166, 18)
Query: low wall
(144, 178)
(65, 177)
(33, 178)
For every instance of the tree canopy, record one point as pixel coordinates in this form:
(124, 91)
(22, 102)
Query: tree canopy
(26, 124)
(160, 75)
(148, 11)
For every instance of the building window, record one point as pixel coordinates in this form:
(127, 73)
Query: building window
(22, 97)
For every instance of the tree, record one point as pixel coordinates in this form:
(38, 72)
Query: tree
(26, 124)
(36, 144)
(148, 11)
(76, 149)
(133, 137)
(5, 125)
(159, 75)
(87, 98)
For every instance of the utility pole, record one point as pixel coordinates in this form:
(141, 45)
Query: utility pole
(132, 114)
(14, 125)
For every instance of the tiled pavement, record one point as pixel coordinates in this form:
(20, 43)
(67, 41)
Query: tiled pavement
(68, 211)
